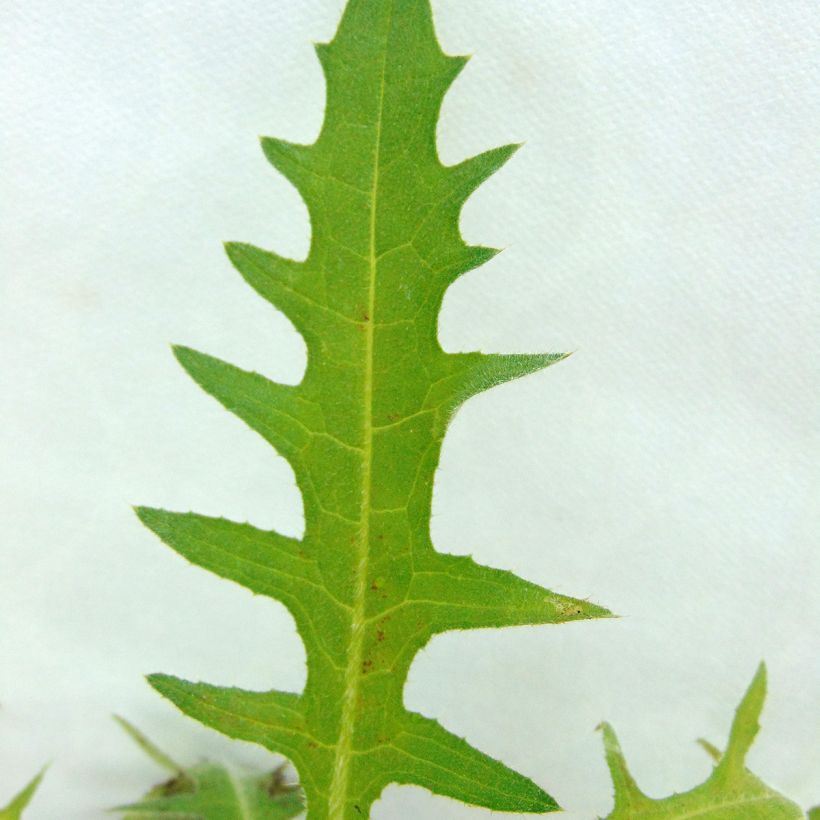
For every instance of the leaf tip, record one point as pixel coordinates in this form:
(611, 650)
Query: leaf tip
(147, 517)
(169, 686)
(710, 749)
(455, 65)
(150, 749)
(612, 746)
(237, 251)
(187, 357)
(752, 704)
(23, 798)
(746, 723)
(604, 728)
(162, 683)
(627, 793)
(545, 805)
(573, 609)
(322, 51)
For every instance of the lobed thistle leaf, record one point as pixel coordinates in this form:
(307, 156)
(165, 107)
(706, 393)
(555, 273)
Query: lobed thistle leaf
(732, 792)
(363, 434)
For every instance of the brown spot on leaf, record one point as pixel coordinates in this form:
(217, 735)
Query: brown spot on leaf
(276, 784)
(181, 784)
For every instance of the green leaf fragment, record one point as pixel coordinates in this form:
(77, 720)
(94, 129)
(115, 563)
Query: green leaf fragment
(14, 810)
(209, 791)
(732, 792)
(363, 434)
(710, 749)
(154, 752)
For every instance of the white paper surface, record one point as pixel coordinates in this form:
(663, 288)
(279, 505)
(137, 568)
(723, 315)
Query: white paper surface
(662, 221)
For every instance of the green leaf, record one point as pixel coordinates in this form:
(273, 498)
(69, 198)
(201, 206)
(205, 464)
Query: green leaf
(732, 792)
(363, 433)
(211, 792)
(14, 810)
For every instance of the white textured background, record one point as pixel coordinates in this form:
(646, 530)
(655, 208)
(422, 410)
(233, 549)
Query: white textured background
(662, 221)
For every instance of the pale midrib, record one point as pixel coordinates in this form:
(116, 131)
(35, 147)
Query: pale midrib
(241, 799)
(337, 797)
